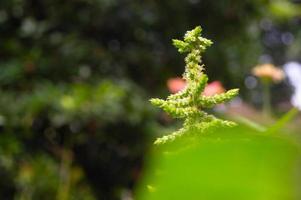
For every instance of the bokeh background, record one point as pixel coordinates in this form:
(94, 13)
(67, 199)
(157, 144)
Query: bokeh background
(76, 76)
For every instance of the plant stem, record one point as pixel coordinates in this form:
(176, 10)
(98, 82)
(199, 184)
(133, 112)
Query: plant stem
(266, 98)
(283, 120)
(64, 185)
(250, 123)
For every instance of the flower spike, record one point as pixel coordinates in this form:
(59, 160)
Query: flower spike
(188, 104)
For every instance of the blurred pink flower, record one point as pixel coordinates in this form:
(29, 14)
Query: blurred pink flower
(176, 84)
(213, 88)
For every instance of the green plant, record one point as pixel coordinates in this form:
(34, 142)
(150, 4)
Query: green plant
(189, 103)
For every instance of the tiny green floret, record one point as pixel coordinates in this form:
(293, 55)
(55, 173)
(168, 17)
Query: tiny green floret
(189, 103)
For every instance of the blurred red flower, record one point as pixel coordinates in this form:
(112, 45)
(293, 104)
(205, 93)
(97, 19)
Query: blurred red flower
(213, 88)
(176, 84)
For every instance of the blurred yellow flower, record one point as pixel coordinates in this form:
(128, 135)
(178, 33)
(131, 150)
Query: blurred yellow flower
(268, 72)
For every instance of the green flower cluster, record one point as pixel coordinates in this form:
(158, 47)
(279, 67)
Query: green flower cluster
(188, 104)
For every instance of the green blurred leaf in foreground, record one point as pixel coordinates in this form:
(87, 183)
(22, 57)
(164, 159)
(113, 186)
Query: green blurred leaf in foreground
(235, 164)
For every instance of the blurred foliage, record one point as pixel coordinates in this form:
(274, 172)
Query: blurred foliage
(79, 116)
(284, 10)
(75, 77)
